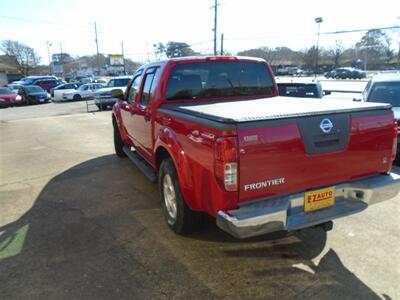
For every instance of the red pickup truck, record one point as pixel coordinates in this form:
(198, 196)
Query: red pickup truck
(217, 138)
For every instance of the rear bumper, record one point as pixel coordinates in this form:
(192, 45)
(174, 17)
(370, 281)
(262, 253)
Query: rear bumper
(287, 212)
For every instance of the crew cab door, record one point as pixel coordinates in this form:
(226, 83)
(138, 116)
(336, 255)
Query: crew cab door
(128, 106)
(142, 123)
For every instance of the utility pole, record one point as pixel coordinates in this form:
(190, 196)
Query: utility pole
(123, 56)
(215, 25)
(222, 44)
(97, 48)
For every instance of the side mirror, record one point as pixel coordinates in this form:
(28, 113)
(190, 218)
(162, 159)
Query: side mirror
(357, 99)
(117, 93)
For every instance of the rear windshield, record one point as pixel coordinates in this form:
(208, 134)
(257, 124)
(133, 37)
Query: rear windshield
(219, 79)
(5, 91)
(34, 89)
(298, 90)
(386, 92)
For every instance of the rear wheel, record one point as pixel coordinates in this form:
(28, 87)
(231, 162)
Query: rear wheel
(118, 143)
(180, 218)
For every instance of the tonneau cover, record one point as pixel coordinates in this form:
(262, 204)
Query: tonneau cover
(273, 108)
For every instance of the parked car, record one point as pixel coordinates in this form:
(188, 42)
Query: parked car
(33, 94)
(85, 91)
(9, 98)
(295, 71)
(47, 84)
(29, 80)
(344, 73)
(14, 87)
(312, 89)
(64, 86)
(103, 97)
(385, 88)
(213, 134)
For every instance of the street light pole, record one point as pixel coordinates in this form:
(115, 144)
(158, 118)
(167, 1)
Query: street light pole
(318, 21)
(48, 44)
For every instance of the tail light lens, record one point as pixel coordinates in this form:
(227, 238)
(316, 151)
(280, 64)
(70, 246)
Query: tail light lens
(394, 147)
(225, 163)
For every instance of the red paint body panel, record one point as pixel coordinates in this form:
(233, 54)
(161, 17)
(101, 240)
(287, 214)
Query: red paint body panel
(9, 100)
(277, 153)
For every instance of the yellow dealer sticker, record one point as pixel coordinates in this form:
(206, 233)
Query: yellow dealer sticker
(319, 199)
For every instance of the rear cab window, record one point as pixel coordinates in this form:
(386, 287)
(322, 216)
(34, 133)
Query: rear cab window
(205, 80)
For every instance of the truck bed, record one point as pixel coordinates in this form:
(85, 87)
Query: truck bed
(272, 108)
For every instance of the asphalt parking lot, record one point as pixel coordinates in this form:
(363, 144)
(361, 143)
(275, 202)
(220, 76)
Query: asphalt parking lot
(76, 222)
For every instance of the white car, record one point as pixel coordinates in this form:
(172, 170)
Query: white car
(103, 96)
(85, 91)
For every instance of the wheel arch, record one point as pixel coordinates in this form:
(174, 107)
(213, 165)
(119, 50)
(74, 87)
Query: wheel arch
(117, 121)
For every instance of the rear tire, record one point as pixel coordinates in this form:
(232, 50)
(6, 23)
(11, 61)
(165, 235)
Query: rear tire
(180, 218)
(118, 143)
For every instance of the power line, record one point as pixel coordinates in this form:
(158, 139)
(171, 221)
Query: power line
(361, 30)
(43, 22)
(310, 34)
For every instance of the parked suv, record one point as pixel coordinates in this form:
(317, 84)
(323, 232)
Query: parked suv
(47, 84)
(29, 80)
(385, 88)
(103, 97)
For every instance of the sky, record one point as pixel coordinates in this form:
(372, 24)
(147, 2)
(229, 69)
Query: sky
(140, 24)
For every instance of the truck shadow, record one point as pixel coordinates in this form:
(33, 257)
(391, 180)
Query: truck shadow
(96, 231)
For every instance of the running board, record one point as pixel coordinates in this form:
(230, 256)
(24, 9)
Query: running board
(141, 164)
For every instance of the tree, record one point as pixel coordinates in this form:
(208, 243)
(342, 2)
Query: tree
(178, 49)
(266, 53)
(309, 56)
(159, 50)
(131, 66)
(26, 58)
(336, 52)
(375, 47)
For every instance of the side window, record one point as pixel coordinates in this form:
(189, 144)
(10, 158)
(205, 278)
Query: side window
(148, 86)
(365, 92)
(134, 88)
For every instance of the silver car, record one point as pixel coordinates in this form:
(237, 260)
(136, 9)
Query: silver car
(85, 91)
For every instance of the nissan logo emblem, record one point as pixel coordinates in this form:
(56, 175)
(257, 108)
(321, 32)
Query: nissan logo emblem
(326, 125)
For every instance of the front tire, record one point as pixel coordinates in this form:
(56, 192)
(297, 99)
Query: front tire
(77, 97)
(118, 143)
(180, 218)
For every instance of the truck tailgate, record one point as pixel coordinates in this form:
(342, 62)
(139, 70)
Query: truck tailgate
(289, 145)
(286, 156)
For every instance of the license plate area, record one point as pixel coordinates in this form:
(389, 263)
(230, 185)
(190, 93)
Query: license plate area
(318, 199)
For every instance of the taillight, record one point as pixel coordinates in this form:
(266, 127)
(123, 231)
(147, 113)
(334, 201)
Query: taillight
(394, 147)
(225, 163)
